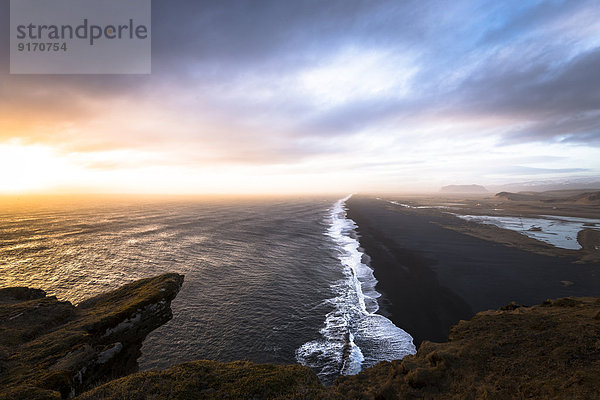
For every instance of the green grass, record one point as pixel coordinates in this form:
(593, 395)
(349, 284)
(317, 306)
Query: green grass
(215, 380)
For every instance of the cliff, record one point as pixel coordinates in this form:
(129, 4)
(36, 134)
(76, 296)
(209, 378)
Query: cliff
(50, 349)
(549, 351)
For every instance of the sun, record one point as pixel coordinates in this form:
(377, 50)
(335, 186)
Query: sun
(31, 168)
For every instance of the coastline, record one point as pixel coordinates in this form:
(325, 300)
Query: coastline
(431, 277)
(503, 352)
(353, 336)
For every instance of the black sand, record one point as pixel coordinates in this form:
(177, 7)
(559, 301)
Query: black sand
(431, 277)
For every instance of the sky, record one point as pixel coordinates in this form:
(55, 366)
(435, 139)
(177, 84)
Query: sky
(318, 97)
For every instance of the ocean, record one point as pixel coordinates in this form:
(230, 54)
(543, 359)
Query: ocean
(278, 280)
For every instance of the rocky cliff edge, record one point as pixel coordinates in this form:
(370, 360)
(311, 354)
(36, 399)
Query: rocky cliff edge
(52, 349)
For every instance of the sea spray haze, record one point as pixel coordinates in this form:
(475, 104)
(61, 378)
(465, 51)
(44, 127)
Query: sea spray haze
(261, 275)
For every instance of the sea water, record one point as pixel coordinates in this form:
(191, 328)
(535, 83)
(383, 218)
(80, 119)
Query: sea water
(266, 280)
(559, 231)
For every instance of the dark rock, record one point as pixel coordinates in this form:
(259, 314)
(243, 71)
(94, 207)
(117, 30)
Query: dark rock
(13, 294)
(567, 302)
(589, 239)
(510, 306)
(52, 349)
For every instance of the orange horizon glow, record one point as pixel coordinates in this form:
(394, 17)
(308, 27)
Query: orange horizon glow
(34, 169)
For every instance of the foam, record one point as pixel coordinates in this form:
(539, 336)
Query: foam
(353, 336)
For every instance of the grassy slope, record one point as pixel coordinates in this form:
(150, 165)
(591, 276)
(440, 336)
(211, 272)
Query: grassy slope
(550, 351)
(215, 380)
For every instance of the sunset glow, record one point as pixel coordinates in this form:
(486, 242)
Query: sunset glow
(407, 100)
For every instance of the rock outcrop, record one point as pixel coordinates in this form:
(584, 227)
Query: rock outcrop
(50, 349)
(589, 239)
(516, 196)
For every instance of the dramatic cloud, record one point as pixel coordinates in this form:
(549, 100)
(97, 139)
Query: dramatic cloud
(327, 95)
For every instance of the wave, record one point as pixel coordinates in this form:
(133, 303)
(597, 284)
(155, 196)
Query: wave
(353, 335)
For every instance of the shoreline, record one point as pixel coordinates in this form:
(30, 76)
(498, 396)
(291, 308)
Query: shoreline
(58, 351)
(432, 276)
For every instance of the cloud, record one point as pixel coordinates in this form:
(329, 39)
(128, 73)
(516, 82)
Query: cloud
(288, 83)
(521, 170)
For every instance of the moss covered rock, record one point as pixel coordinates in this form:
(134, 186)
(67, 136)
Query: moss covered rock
(52, 349)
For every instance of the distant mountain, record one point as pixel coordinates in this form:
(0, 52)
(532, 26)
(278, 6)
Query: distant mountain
(588, 198)
(463, 189)
(590, 184)
(515, 196)
(584, 197)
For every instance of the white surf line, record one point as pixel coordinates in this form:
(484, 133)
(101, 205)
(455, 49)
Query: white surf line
(354, 319)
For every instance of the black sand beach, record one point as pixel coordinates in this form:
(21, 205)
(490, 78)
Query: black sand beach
(431, 277)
